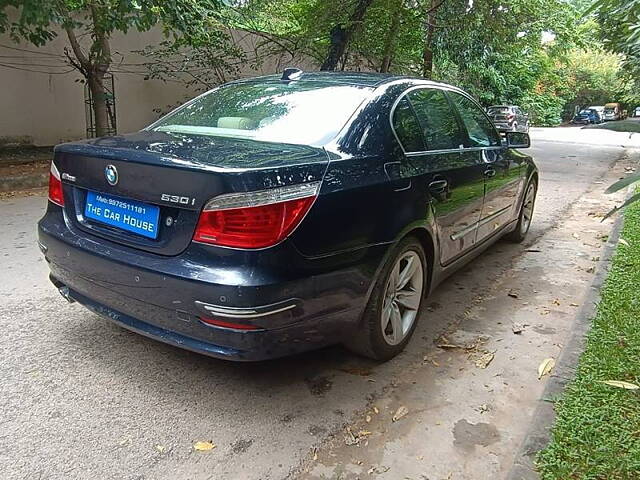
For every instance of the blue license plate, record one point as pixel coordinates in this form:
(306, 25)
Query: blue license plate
(129, 215)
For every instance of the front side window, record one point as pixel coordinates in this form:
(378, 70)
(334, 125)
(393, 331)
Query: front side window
(306, 113)
(437, 119)
(480, 131)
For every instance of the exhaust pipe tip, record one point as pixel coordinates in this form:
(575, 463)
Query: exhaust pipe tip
(64, 291)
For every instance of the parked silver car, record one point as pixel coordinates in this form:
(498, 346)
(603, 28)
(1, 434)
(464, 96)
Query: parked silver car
(509, 118)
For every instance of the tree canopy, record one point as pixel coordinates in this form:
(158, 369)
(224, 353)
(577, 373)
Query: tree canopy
(549, 56)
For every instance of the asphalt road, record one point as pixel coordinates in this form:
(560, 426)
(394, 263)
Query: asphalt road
(82, 398)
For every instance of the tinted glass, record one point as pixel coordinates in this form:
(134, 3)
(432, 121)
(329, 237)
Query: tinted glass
(308, 113)
(480, 130)
(407, 127)
(437, 119)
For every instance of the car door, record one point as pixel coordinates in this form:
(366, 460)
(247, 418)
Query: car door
(502, 168)
(439, 166)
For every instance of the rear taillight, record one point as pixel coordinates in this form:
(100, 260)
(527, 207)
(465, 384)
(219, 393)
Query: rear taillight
(55, 186)
(255, 219)
(511, 116)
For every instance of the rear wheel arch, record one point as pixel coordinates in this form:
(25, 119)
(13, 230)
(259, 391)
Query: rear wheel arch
(428, 245)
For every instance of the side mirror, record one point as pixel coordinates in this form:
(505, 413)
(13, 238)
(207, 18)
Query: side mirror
(518, 140)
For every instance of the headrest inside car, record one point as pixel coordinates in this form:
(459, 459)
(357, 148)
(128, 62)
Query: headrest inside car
(239, 123)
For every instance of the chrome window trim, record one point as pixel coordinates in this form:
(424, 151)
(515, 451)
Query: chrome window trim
(453, 150)
(444, 88)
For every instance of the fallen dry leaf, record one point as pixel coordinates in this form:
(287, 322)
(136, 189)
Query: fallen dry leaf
(556, 302)
(160, 448)
(545, 367)
(203, 446)
(484, 360)
(624, 242)
(378, 470)
(401, 412)
(512, 294)
(621, 384)
(367, 418)
(375, 410)
(350, 438)
(574, 305)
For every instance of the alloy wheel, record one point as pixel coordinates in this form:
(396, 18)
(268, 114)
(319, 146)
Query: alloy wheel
(402, 297)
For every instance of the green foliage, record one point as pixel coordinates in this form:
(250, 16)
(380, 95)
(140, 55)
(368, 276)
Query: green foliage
(502, 51)
(37, 20)
(597, 425)
(620, 20)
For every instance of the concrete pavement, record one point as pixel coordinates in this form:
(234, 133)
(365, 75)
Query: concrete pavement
(82, 398)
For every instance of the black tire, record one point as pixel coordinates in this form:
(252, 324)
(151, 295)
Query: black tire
(522, 227)
(369, 340)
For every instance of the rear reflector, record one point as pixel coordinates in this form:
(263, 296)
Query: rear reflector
(224, 324)
(55, 186)
(255, 219)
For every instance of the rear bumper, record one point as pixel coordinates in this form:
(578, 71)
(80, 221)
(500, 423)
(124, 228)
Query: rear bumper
(504, 126)
(165, 297)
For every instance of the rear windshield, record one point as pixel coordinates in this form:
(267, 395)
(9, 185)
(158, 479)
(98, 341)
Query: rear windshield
(586, 112)
(494, 110)
(307, 113)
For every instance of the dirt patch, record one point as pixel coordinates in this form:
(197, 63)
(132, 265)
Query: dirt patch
(11, 156)
(318, 386)
(467, 435)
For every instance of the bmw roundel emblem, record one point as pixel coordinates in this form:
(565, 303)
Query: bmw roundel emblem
(112, 174)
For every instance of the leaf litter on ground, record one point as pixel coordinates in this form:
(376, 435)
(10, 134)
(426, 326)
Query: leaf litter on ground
(545, 367)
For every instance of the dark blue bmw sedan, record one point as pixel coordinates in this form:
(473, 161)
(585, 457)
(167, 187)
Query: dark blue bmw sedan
(279, 214)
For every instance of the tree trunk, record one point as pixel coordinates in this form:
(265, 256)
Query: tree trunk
(389, 42)
(430, 28)
(94, 65)
(99, 96)
(341, 35)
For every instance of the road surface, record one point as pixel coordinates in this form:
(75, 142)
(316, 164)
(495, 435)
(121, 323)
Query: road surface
(82, 398)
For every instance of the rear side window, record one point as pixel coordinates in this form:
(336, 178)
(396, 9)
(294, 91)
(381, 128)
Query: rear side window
(437, 119)
(407, 128)
(481, 132)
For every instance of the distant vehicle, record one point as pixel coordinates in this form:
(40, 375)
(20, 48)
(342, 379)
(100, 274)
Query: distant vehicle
(599, 109)
(587, 116)
(509, 118)
(612, 111)
(636, 112)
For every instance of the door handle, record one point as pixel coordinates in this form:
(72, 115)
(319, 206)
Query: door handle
(489, 172)
(438, 187)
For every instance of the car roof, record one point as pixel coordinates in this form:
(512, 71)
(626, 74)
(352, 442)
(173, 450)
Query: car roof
(365, 79)
(502, 106)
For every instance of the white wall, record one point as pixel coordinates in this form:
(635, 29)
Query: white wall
(48, 108)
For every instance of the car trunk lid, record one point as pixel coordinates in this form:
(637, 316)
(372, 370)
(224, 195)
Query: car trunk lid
(171, 177)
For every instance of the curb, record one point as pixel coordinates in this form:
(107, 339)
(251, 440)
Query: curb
(539, 434)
